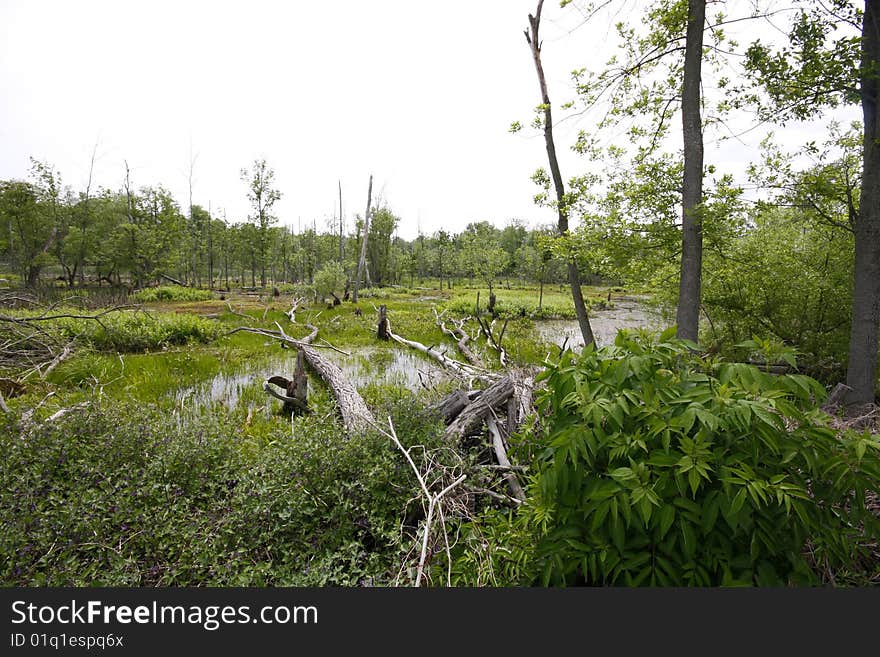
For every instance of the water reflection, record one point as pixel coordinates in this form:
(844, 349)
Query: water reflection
(626, 314)
(363, 367)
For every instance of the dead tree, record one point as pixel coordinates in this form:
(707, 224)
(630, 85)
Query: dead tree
(574, 278)
(363, 258)
(494, 342)
(465, 371)
(356, 415)
(474, 415)
(382, 331)
(452, 406)
(460, 335)
(296, 389)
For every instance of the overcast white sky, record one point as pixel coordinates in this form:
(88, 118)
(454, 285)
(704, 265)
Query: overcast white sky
(420, 94)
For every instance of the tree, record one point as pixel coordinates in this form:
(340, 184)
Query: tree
(366, 232)
(262, 196)
(814, 70)
(574, 278)
(330, 280)
(482, 256)
(688, 312)
(26, 234)
(383, 223)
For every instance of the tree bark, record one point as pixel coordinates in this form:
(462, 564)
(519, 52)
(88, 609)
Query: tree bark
(561, 204)
(341, 225)
(363, 258)
(471, 419)
(862, 368)
(451, 407)
(688, 312)
(382, 331)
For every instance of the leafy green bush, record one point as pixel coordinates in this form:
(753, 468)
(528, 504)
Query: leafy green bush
(171, 293)
(122, 496)
(139, 331)
(656, 467)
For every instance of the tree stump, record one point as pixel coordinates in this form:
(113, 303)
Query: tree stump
(382, 331)
(296, 397)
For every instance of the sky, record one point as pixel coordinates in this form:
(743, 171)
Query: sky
(420, 95)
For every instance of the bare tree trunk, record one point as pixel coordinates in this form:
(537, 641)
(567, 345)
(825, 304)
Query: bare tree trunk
(862, 368)
(688, 313)
(382, 332)
(341, 226)
(561, 208)
(362, 260)
(355, 413)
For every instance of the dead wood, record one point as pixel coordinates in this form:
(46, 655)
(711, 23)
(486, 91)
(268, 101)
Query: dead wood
(173, 280)
(465, 371)
(495, 343)
(472, 417)
(382, 330)
(516, 489)
(296, 389)
(356, 416)
(452, 406)
(460, 336)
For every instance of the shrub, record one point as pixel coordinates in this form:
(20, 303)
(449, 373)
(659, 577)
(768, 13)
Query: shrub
(123, 496)
(171, 293)
(139, 331)
(656, 467)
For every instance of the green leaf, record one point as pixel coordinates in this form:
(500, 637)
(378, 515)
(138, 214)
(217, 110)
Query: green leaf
(666, 517)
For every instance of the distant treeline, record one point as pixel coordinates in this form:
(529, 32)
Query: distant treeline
(139, 238)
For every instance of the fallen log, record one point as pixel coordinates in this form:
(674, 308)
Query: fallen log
(516, 489)
(472, 417)
(461, 337)
(173, 280)
(451, 407)
(464, 370)
(356, 416)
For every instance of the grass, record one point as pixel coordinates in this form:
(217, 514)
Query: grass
(148, 357)
(172, 293)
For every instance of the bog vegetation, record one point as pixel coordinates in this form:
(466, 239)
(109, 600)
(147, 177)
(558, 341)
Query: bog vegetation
(139, 339)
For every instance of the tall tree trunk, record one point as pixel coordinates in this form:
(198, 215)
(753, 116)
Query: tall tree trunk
(363, 258)
(862, 369)
(574, 278)
(688, 313)
(341, 226)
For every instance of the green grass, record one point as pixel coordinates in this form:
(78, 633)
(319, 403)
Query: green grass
(171, 293)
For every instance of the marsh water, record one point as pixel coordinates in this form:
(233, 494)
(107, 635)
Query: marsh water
(391, 365)
(627, 313)
(363, 367)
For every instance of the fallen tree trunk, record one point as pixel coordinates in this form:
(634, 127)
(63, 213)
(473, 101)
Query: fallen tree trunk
(463, 370)
(461, 337)
(516, 489)
(451, 407)
(173, 280)
(355, 414)
(472, 417)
